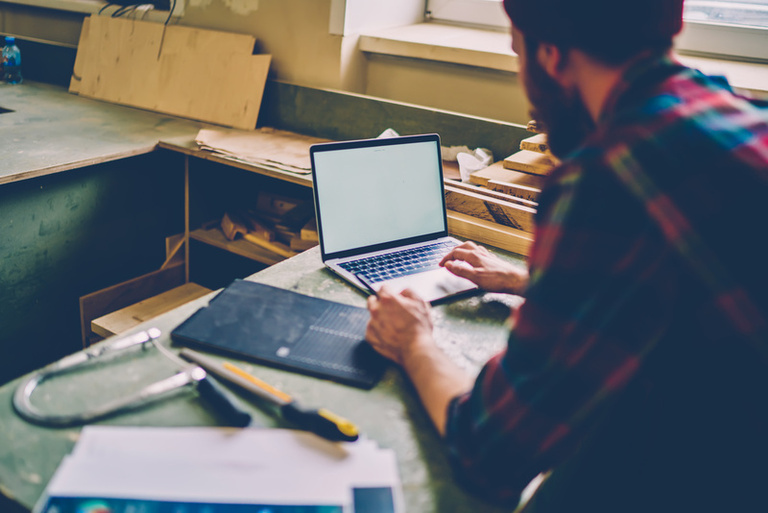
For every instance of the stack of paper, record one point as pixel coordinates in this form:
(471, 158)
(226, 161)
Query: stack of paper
(220, 470)
(266, 147)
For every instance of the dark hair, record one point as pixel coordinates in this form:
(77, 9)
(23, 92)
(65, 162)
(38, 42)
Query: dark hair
(612, 31)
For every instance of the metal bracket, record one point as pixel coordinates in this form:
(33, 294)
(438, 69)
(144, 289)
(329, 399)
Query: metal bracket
(22, 398)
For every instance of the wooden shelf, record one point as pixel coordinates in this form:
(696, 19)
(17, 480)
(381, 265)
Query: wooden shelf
(215, 237)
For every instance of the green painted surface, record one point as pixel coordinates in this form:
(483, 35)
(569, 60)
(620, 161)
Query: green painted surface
(66, 235)
(50, 131)
(469, 330)
(339, 116)
(84, 204)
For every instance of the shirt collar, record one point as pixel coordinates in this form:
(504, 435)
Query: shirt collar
(644, 71)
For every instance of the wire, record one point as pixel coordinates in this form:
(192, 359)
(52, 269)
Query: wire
(109, 5)
(170, 11)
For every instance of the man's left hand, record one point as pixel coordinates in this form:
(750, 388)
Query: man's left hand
(399, 323)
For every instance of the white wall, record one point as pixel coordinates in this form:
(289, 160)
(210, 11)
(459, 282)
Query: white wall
(314, 43)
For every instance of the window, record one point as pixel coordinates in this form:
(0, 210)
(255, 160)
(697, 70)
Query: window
(725, 27)
(489, 13)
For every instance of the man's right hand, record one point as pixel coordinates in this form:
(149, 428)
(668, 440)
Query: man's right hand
(487, 271)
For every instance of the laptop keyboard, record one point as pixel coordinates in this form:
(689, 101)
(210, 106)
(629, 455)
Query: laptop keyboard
(400, 263)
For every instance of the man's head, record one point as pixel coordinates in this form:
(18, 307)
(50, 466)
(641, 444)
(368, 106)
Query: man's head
(611, 32)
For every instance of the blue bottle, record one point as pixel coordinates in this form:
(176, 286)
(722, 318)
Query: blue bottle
(11, 62)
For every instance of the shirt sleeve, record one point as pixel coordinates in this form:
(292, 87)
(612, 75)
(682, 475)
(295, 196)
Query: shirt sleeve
(576, 341)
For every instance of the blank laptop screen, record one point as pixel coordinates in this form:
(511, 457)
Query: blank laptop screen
(372, 195)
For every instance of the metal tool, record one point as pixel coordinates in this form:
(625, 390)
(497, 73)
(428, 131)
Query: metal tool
(321, 421)
(188, 376)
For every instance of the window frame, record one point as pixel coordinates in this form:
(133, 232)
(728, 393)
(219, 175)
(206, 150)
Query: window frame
(485, 13)
(715, 39)
(705, 38)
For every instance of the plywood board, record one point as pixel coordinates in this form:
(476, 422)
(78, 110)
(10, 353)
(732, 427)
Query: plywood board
(486, 191)
(80, 57)
(484, 232)
(110, 299)
(200, 74)
(133, 315)
(498, 172)
(494, 210)
(522, 192)
(529, 162)
(309, 231)
(537, 143)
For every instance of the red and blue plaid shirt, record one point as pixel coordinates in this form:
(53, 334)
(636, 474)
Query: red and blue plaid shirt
(648, 247)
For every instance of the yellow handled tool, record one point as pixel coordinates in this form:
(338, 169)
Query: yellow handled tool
(321, 421)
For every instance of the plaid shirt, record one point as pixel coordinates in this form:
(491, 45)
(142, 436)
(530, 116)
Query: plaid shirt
(648, 237)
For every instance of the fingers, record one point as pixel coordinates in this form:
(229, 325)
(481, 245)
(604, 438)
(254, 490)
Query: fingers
(468, 252)
(461, 269)
(451, 255)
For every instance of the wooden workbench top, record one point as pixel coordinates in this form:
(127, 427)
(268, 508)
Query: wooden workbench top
(469, 331)
(49, 131)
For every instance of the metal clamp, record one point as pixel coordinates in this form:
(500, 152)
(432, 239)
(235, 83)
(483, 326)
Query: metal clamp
(22, 398)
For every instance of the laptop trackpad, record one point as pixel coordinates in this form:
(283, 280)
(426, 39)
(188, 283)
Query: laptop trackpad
(431, 285)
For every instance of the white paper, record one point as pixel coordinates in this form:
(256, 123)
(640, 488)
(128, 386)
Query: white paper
(222, 465)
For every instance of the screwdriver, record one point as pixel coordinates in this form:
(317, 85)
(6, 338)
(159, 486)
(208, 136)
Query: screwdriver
(319, 421)
(210, 391)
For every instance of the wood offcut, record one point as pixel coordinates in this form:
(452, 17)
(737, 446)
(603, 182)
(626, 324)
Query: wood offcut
(504, 212)
(200, 74)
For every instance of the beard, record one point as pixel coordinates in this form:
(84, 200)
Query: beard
(558, 112)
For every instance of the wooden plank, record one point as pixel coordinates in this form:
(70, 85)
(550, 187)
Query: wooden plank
(200, 74)
(485, 191)
(80, 57)
(531, 184)
(498, 211)
(233, 225)
(114, 54)
(171, 242)
(492, 234)
(275, 204)
(119, 296)
(298, 244)
(537, 143)
(172, 254)
(309, 231)
(231, 96)
(215, 237)
(126, 318)
(257, 226)
(520, 191)
(529, 162)
(273, 246)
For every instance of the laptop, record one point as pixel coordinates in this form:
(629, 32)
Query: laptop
(381, 215)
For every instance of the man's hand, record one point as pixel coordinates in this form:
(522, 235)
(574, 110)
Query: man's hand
(398, 323)
(401, 329)
(487, 271)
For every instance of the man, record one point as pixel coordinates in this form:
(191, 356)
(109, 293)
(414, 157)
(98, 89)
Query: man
(637, 366)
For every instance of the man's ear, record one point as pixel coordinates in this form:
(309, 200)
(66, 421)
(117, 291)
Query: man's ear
(552, 59)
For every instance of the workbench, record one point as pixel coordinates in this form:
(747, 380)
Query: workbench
(86, 201)
(88, 189)
(469, 330)
(47, 131)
